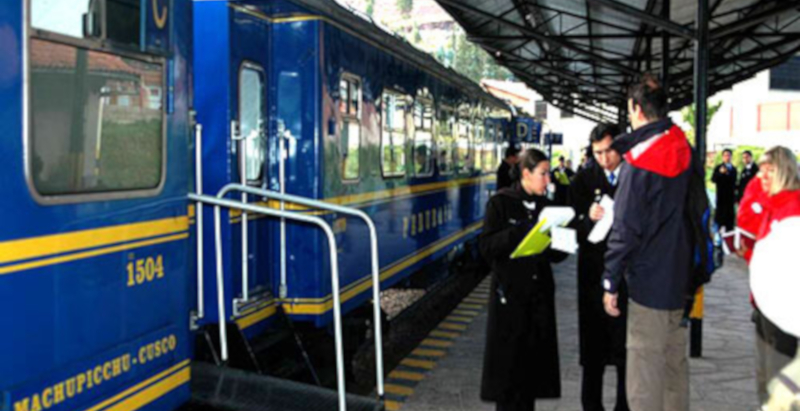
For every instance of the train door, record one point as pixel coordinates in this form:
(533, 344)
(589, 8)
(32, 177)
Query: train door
(250, 63)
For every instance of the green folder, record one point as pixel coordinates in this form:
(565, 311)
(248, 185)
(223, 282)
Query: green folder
(533, 243)
(562, 178)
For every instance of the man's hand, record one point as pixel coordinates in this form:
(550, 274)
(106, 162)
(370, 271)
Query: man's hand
(596, 212)
(610, 304)
(743, 250)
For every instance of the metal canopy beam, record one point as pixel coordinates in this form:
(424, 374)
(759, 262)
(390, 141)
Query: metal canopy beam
(555, 71)
(754, 20)
(588, 59)
(648, 18)
(538, 36)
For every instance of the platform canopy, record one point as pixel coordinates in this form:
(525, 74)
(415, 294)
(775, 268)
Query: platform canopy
(581, 55)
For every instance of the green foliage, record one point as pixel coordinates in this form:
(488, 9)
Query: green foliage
(370, 8)
(688, 114)
(130, 155)
(405, 6)
(473, 62)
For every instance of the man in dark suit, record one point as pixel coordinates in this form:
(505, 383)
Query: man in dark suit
(507, 173)
(561, 177)
(602, 337)
(725, 179)
(749, 171)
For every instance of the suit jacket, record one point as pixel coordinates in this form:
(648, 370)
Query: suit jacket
(602, 337)
(744, 179)
(726, 195)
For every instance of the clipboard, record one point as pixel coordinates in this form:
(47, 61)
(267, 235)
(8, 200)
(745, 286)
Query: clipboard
(538, 239)
(534, 243)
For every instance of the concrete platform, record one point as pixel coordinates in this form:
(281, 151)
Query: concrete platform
(722, 380)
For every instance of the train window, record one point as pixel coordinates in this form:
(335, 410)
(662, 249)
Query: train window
(478, 147)
(349, 106)
(488, 148)
(251, 122)
(423, 138)
(114, 20)
(445, 140)
(395, 108)
(96, 121)
(464, 155)
(501, 142)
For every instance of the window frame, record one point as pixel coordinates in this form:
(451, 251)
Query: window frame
(409, 103)
(251, 65)
(426, 102)
(345, 117)
(91, 45)
(464, 118)
(452, 122)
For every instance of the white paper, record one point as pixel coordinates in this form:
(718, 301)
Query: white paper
(556, 217)
(564, 239)
(603, 227)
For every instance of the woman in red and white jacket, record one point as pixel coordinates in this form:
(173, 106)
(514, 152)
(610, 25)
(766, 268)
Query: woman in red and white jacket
(774, 212)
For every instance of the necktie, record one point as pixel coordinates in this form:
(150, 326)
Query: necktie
(611, 179)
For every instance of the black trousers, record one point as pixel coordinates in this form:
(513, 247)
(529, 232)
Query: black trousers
(592, 388)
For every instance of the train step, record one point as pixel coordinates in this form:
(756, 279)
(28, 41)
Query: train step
(228, 389)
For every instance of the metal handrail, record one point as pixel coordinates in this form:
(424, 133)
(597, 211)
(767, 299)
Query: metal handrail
(337, 314)
(198, 154)
(373, 233)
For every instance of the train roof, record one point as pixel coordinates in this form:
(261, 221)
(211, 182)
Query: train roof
(347, 18)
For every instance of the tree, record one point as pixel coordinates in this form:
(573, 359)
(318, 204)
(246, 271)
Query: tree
(688, 114)
(473, 62)
(370, 8)
(405, 6)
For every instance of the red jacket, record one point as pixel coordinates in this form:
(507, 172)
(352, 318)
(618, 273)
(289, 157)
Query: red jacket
(751, 211)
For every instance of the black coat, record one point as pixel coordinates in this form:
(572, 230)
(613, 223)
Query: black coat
(602, 337)
(562, 190)
(726, 196)
(744, 179)
(521, 357)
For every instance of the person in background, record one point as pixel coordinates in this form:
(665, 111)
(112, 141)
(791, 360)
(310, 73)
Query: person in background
(521, 358)
(586, 159)
(602, 337)
(507, 173)
(770, 208)
(650, 244)
(561, 177)
(569, 166)
(725, 178)
(749, 171)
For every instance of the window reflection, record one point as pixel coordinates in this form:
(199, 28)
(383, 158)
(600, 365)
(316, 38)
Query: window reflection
(96, 120)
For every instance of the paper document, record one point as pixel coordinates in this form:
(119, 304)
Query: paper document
(556, 217)
(538, 239)
(603, 227)
(564, 239)
(734, 239)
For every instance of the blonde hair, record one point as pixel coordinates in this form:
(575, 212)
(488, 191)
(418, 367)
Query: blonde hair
(785, 171)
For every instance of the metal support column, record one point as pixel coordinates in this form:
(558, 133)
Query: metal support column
(700, 97)
(665, 49)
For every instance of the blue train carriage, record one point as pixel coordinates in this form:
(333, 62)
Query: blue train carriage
(94, 247)
(365, 120)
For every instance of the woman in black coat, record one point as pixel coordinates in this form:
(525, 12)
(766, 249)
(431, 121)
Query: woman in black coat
(521, 358)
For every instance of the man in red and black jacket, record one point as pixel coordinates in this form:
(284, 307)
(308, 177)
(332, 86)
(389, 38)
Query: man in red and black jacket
(650, 245)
